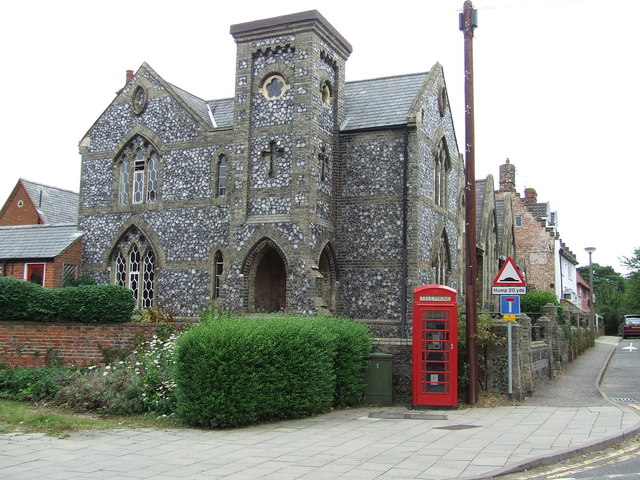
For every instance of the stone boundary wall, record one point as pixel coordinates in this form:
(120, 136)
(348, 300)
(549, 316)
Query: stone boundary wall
(533, 362)
(36, 344)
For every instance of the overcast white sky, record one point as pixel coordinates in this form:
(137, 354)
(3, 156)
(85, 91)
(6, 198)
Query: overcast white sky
(555, 86)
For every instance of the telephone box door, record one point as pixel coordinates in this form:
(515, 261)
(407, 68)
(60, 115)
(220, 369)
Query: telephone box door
(435, 346)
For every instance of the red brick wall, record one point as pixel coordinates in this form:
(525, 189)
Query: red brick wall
(29, 344)
(14, 215)
(536, 244)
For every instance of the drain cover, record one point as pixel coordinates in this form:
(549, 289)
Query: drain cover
(623, 400)
(456, 427)
(407, 416)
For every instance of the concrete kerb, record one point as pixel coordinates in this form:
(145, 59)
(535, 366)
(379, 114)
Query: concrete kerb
(562, 455)
(598, 380)
(552, 458)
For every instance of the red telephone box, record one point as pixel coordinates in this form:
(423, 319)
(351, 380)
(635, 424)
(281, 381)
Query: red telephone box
(435, 347)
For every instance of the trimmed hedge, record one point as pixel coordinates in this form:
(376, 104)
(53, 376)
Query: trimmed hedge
(239, 371)
(94, 304)
(20, 300)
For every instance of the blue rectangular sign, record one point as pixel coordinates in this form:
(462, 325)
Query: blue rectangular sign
(510, 304)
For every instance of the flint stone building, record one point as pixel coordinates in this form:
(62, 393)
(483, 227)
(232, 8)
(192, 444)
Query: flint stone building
(302, 192)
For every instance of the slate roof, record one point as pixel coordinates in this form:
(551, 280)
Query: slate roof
(36, 241)
(53, 204)
(539, 209)
(222, 111)
(197, 104)
(381, 102)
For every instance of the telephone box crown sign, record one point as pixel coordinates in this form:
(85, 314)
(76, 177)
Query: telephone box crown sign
(509, 275)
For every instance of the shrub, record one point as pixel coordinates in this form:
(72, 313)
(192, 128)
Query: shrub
(94, 304)
(110, 390)
(76, 282)
(33, 384)
(533, 301)
(153, 362)
(140, 382)
(236, 372)
(353, 343)
(21, 300)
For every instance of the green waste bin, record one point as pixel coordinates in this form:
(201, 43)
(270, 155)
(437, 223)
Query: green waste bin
(378, 379)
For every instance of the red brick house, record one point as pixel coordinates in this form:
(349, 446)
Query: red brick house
(39, 238)
(547, 263)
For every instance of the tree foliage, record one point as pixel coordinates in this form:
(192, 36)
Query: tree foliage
(632, 291)
(533, 301)
(609, 288)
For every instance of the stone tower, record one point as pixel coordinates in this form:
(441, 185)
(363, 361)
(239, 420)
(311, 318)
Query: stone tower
(289, 102)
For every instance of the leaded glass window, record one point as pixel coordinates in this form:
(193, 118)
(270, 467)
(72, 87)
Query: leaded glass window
(139, 167)
(134, 263)
(125, 182)
(442, 262)
(221, 177)
(441, 173)
(218, 266)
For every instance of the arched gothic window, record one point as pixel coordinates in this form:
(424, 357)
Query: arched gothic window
(135, 264)
(442, 261)
(138, 166)
(218, 265)
(323, 160)
(441, 173)
(221, 177)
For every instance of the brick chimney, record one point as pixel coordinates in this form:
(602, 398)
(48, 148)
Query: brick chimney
(530, 196)
(129, 76)
(507, 177)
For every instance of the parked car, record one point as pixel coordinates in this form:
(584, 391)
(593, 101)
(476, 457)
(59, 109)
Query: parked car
(631, 325)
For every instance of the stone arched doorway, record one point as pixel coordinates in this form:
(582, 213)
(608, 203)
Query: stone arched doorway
(267, 279)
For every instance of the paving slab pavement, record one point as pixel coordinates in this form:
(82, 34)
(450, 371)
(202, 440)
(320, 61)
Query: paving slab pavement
(360, 443)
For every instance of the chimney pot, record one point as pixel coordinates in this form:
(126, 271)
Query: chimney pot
(530, 195)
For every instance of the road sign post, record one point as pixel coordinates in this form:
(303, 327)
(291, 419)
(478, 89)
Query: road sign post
(510, 360)
(509, 284)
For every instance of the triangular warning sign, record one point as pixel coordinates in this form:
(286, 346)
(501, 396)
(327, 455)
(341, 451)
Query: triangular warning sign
(509, 276)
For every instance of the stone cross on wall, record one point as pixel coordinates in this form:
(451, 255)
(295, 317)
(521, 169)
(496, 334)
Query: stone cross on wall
(270, 157)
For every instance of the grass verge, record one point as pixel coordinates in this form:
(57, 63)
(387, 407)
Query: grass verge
(24, 417)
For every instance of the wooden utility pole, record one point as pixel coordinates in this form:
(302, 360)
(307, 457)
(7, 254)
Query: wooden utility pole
(468, 22)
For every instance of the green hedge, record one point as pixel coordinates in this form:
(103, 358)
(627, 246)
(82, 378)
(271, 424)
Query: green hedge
(20, 300)
(240, 371)
(94, 304)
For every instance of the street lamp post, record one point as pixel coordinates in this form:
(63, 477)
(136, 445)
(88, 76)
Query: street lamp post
(592, 308)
